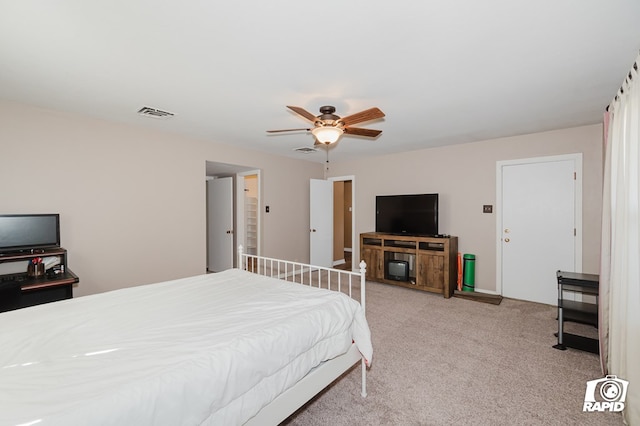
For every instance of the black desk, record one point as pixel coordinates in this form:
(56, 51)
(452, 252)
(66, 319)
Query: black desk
(35, 290)
(569, 310)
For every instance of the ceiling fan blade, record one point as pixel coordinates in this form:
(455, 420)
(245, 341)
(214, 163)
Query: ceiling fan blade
(359, 131)
(287, 130)
(359, 117)
(303, 112)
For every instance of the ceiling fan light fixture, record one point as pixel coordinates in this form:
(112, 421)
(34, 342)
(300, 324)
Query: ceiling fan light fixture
(327, 135)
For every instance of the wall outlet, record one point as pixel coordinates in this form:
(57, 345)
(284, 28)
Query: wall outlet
(487, 208)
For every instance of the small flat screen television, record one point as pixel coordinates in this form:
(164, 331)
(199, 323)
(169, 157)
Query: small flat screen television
(21, 232)
(397, 270)
(412, 214)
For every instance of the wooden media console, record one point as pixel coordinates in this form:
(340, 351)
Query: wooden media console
(431, 261)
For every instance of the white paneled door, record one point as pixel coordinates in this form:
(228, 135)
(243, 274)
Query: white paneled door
(538, 227)
(321, 222)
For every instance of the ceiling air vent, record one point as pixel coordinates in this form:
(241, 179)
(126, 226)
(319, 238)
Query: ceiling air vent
(155, 113)
(306, 150)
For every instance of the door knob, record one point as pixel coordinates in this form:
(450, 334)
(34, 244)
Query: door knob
(506, 240)
(507, 230)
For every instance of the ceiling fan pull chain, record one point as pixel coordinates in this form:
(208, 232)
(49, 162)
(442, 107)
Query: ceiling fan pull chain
(326, 169)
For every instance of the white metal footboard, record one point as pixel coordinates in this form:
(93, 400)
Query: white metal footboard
(321, 277)
(303, 273)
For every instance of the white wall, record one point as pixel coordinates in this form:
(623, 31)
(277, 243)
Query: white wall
(465, 177)
(132, 200)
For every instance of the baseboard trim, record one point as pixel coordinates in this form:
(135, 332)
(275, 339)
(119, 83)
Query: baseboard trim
(477, 296)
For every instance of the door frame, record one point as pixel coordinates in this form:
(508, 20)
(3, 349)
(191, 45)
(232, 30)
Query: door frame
(577, 159)
(352, 178)
(214, 169)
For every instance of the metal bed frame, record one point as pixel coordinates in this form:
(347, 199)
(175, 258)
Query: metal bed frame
(323, 375)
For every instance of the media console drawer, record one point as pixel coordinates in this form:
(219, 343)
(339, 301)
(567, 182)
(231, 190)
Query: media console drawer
(423, 263)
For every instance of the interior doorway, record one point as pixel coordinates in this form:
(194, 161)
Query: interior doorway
(343, 221)
(331, 219)
(245, 208)
(248, 211)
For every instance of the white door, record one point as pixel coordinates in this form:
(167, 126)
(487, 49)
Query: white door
(321, 222)
(220, 224)
(538, 227)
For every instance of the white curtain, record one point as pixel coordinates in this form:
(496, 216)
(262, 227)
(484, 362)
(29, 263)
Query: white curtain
(620, 268)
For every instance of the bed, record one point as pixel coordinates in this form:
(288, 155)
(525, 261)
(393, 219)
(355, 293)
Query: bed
(245, 346)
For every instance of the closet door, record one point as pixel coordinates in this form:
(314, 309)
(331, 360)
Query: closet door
(321, 222)
(220, 224)
(538, 227)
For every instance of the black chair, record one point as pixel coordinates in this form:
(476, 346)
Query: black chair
(10, 293)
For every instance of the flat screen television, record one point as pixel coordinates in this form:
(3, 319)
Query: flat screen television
(21, 232)
(412, 214)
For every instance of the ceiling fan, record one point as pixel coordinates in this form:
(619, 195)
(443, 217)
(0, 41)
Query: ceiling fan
(328, 127)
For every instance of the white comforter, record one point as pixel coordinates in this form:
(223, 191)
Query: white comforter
(211, 349)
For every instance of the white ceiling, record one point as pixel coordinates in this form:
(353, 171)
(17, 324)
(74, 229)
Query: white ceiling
(444, 72)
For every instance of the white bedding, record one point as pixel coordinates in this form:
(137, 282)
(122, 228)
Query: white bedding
(211, 349)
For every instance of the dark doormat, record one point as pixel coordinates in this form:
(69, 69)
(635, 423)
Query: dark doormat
(494, 299)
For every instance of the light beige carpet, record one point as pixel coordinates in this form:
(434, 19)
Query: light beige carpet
(459, 362)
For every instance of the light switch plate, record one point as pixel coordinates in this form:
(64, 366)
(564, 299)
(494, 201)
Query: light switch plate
(487, 208)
